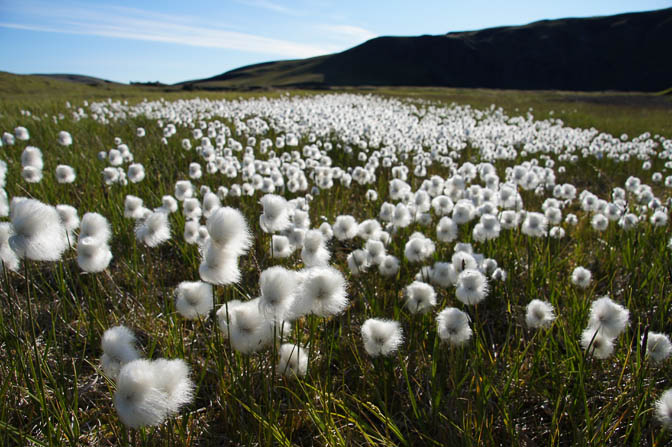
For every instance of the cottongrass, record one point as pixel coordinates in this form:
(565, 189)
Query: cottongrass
(118, 345)
(453, 326)
(658, 346)
(153, 230)
(293, 361)
(323, 292)
(381, 337)
(420, 297)
(38, 233)
(149, 391)
(608, 317)
(193, 299)
(581, 277)
(539, 314)
(663, 408)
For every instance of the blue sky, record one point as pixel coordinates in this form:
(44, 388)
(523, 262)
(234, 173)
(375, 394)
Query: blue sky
(167, 41)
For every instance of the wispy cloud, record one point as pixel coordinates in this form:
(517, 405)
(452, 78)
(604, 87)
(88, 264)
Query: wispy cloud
(349, 32)
(134, 24)
(271, 6)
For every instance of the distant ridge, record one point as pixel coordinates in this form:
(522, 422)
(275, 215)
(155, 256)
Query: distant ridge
(626, 52)
(82, 79)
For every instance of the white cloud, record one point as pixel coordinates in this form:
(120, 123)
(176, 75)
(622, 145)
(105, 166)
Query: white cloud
(265, 4)
(349, 32)
(134, 24)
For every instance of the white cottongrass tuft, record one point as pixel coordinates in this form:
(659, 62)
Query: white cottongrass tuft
(389, 266)
(420, 297)
(229, 231)
(278, 287)
(210, 204)
(219, 267)
(453, 326)
(596, 344)
(224, 316)
(376, 251)
(183, 190)
(293, 360)
(314, 252)
(323, 292)
(191, 208)
(95, 225)
(443, 274)
(7, 256)
(472, 287)
(93, 255)
(658, 346)
(69, 220)
(345, 227)
(381, 337)
(64, 138)
(150, 391)
(21, 133)
(32, 157)
(275, 216)
(599, 222)
(664, 409)
(280, 246)
(133, 208)
(248, 330)
(136, 173)
(358, 261)
(65, 174)
(534, 225)
(540, 314)
(4, 203)
(193, 299)
(118, 345)
(38, 233)
(31, 174)
(418, 248)
(168, 205)
(608, 317)
(153, 230)
(581, 277)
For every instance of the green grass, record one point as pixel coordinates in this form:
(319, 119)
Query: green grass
(508, 386)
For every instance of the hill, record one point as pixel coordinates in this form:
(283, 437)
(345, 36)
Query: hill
(625, 52)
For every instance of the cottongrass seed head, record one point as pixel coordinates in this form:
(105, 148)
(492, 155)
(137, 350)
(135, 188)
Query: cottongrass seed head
(218, 266)
(193, 299)
(658, 346)
(664, 409)
(596, 344)
(323, 292)
(118, 345)
(471, 287)
(581, 277)
(420, 297)
(93, 255)
(381, 337)
(540, 314)
(38, 233)
(453, 326)
(293, 360)
(228, 230)
(149, 391)
(153, 230)
(95, 225)
(7, 256)
(608, 317)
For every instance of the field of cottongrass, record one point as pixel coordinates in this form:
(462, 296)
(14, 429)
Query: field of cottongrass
(330, 270)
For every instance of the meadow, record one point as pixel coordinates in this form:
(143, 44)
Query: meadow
(384, 267)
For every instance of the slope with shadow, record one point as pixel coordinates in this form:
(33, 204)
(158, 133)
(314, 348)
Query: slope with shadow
(626, 52)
